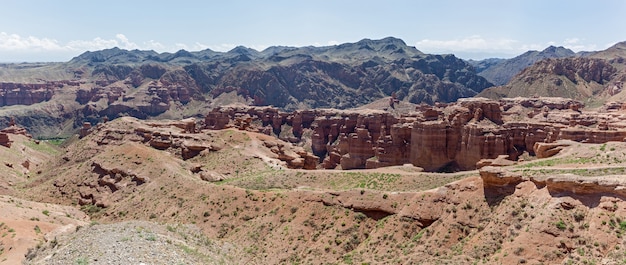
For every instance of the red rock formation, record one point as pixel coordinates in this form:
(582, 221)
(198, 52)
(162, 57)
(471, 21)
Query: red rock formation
(503, 181)
(84, 131)
(444, 137)
(4, 140)
(175, 136)
(15, 129)
(543, 150)
(28, 94)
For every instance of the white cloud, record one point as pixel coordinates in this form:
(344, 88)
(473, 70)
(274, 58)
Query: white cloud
(90, 45)
(473, 43)
(125, 43)
(14, 42)
(478, 44)
(181, 46)
(224, 47)
(154, 45)
(577, 45)
(199, 46)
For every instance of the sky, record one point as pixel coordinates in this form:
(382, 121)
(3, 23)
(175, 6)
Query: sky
(47, 30)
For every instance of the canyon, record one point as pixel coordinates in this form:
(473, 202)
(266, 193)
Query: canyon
(360, 153)
(444, 137)
(253, 204)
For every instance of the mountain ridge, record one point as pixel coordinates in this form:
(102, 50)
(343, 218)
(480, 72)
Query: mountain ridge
(593, 77)
(116, 82)
(502, 71)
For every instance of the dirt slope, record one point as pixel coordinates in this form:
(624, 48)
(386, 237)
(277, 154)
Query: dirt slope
(273, 215)
(24, 223)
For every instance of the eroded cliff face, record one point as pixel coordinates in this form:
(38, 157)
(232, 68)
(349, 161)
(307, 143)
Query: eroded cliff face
(581, 78)
(28, 94)
(445, 137)
(132, 169)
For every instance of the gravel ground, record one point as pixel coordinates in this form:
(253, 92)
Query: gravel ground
(133, 242)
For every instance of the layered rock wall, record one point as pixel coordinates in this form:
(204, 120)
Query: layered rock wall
(446, 137)
(28, 94)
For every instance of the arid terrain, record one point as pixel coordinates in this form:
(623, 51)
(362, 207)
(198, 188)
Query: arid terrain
(237, 195)
(212, 175)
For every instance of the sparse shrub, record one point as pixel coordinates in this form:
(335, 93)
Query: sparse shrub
(90, 208)
(82, 261)
(46, 212)
(247, 218)
(561, 225)
(579, 216)
(360, 216)
(54, 242)
(419, 235)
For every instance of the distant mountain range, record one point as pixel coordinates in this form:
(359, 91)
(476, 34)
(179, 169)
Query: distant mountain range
(500, 71)
(342, 76)
(116, 82)
(592, 77)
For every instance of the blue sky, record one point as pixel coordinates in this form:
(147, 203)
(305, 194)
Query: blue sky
(47, 30)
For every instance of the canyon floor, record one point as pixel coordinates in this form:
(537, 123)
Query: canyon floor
(136, 192)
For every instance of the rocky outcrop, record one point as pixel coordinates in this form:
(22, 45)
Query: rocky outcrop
(15, 129)
(12, 129)
(84, 131)
(183, 139)
(494, 177)
(4, 140)
(295, 157)
(111, 179)
(543, 150)
(28, 94)
(501, 180)
(445, 137)
(500, 161)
